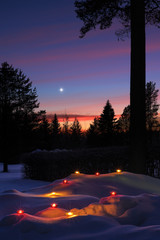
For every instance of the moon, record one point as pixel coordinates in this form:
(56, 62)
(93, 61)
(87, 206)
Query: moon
(61, 89)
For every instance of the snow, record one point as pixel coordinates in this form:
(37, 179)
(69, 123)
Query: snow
(51, 151)
(133, 213)
(14, 179)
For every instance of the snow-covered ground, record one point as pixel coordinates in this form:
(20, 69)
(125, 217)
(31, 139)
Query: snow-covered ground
(14, 179)
(85, 209)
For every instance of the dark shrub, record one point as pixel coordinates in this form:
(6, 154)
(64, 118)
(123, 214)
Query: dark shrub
(51, 165)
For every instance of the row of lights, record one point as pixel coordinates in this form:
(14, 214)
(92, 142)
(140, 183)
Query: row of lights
(55, 205)
(65, 181)
(97, 173)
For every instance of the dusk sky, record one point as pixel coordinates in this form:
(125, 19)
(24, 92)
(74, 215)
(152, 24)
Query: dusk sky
(41, 37)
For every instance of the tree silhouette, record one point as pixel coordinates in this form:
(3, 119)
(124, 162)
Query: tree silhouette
(17, 104)
(124, 120)
(76, 128)
(65, 128)
(55, 131)
(94, 127)
(76, 132)
(133, 14)
(151, 96)
(66, 132)
(151, 106)
(44, 132)
(55, 126)
(93, 133)
(107, 120)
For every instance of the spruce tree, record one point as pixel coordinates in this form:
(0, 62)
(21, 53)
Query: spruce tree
(55, 126)
(18, 102)
(93, 133)
(55, 132)
(151, 98)
(94, 127)
(107, 120)
(76, 129)
(151, 106)
(44, 133)
(65, 136)
(124, 121)
(65, 128)
(76, 132)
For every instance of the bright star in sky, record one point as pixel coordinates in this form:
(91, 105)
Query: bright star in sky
(61, 89)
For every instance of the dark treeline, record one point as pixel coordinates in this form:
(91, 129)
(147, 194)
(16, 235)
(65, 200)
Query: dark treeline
(24, 129)
(133, 15)
(104, 147)
(51, 136)
(105, 130)
(18, 119)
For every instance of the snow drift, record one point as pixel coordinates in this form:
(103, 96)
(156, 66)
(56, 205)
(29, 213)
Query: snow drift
(84, 209)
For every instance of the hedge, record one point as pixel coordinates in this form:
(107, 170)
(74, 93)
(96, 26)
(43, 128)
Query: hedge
(51, 165)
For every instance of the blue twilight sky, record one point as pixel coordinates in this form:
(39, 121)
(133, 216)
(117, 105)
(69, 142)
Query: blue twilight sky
(41, 37)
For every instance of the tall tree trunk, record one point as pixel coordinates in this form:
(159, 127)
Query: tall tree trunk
(5, 167)
(5, 153)
(137, 91)
(5, 138)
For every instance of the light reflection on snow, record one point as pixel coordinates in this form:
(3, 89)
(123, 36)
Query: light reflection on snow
(49, 208)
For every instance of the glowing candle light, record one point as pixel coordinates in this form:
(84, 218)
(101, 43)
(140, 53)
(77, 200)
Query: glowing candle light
(76, 172)
(97, 173)
(53, 193)
(113, 193)
(20, 211)
(65, 181)
(54, 205)
(118, 170)
(69, 214)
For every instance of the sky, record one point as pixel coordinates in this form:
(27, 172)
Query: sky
(41, 37)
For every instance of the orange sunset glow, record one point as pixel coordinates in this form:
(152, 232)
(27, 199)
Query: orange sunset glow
(85, 121)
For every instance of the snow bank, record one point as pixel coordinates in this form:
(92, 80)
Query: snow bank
(85, 209)
(51, 151)
(14, 179)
